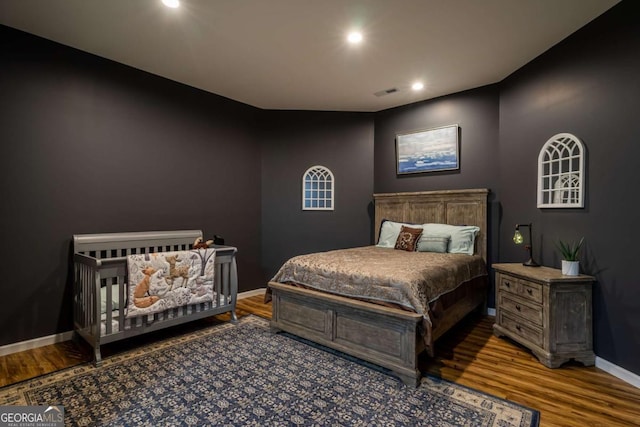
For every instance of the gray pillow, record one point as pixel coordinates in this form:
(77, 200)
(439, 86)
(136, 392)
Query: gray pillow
(462, 240)
(434, 243)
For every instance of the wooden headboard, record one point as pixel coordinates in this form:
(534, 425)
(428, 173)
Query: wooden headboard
(455, 207)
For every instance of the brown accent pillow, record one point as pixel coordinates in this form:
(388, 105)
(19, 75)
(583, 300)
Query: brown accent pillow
(408, 239)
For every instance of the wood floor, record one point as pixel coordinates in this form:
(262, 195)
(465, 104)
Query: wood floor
(469, 355)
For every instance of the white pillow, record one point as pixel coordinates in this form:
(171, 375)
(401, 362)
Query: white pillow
(390, 231)
(115, 297)
(463, 237)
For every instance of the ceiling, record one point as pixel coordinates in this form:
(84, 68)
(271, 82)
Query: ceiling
(293, 54)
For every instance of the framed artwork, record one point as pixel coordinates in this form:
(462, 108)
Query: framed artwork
(429, 150)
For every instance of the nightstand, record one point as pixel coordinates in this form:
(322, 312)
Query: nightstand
(545, 311)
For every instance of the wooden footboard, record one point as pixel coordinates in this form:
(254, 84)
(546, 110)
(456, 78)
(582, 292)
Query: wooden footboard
(384, 336)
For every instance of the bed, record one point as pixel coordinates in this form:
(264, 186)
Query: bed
(388, 335)
(102, 267)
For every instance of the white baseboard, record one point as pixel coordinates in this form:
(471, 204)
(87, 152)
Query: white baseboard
(617, 371)
(35, 343)
(252, 293)
(66, 336)
(491, 312)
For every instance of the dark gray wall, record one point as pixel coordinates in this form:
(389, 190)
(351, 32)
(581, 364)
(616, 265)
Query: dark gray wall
(476, 111)
(588, 85)
(295, 141)
(90, 146)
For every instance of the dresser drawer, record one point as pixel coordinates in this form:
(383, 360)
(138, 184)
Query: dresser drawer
(529, 290)
(530, 333)
(520, 308)
(508, 284)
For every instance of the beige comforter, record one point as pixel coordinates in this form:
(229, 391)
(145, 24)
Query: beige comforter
(408, 279)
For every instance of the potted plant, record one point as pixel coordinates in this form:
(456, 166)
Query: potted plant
(569, 251)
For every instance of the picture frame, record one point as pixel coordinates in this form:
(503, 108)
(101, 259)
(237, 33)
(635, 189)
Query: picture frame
(430, 150)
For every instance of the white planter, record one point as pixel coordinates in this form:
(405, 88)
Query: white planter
(570, 268)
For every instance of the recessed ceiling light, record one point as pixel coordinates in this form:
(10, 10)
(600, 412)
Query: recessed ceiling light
(417, 86)
(171, 3)
(354, 37)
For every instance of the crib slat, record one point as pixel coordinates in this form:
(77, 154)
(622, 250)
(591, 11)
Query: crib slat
(122, 301)
(108, 307)
(225, 283)
(76, 295)
(86, 301)
(95, 306)
(218, 283)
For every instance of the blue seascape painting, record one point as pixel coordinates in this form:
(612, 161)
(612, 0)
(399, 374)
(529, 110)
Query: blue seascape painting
(428, 151)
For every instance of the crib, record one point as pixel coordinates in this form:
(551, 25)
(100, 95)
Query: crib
(100, 284)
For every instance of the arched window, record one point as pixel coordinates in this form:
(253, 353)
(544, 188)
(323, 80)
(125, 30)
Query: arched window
(561, 172)
(318, 188)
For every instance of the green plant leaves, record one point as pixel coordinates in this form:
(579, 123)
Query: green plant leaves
(569, 251)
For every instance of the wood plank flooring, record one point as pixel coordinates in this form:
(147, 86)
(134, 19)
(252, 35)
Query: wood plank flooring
(469, 355)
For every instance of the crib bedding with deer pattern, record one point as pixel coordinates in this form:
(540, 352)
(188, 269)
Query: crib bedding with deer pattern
(164, 280)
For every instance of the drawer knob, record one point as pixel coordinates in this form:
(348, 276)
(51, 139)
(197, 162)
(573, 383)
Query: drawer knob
(529, 291)
(518, 307)
(507, 284)
(518, 327)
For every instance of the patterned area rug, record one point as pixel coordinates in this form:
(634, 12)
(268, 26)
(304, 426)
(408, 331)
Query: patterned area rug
(236, 375)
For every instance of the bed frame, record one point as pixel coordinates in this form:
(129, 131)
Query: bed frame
(100, 260)
(385, 336)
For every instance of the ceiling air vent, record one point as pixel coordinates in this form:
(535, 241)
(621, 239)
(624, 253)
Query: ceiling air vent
(386, 91)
